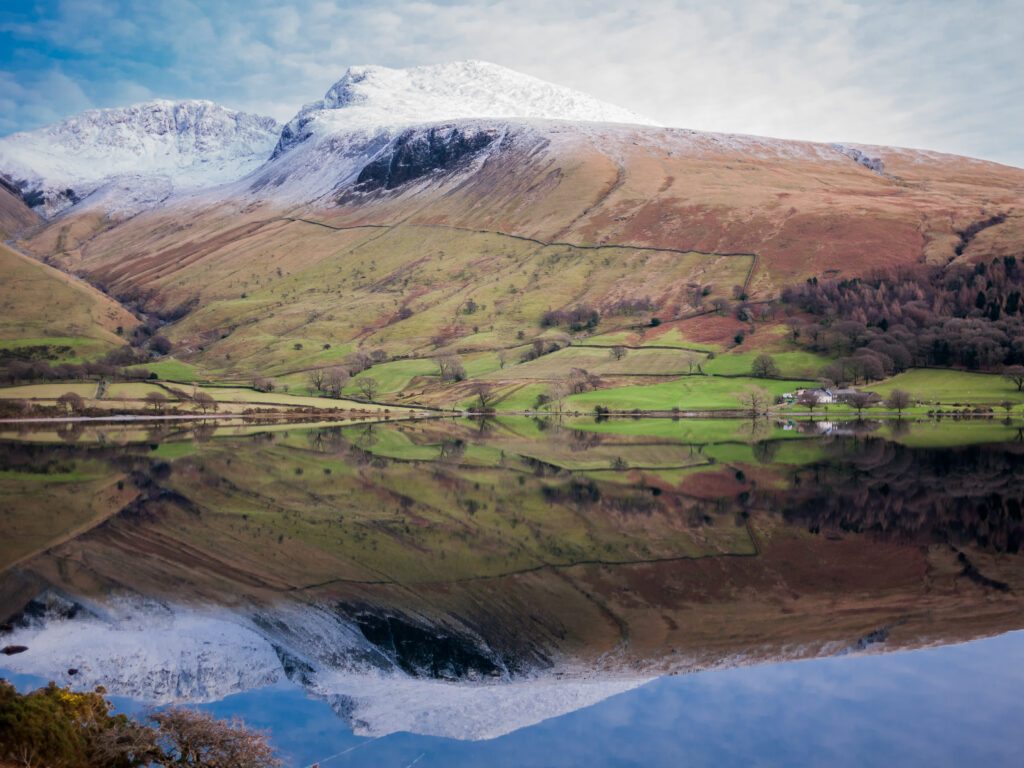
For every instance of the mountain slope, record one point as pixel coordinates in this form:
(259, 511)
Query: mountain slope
(41, 306)
(163, 145)
(450, 208)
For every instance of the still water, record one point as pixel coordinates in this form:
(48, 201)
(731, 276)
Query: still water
(525, 592)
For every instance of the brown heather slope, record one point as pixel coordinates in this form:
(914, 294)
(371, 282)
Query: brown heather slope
(39, 302)
(516, 231)
(15, 216)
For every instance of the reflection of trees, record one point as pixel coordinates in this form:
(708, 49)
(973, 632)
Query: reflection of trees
(70, 431)
(203, 431)
(484, 425)
(584, 440)
(972, 494)
(452, 451)
(765, 451)
(157, 434)
(899, 428)
(366, 436)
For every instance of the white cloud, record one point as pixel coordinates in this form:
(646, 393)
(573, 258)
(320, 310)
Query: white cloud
(934, 74)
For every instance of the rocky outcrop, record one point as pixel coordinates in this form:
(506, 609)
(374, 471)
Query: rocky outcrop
(417, 153)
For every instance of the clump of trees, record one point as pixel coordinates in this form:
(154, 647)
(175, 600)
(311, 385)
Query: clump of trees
(627, 307)
(541, 347)
(54, 727)
(579, 318)
(969, 316)
(112, 367)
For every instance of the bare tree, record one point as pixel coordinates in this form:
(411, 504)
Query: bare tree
(862, 400)
(756, 400)
(368, 387)
(450, 368)
(899, 400)
(618, 352)
(484, 393)
(205, 401)
(71, 402)
(316, 379)
(263, 384)
(1015, 375)
(502, 358)
(765, 367)
(808, 399)
(198, 740)
(337, 378)
(557, 392)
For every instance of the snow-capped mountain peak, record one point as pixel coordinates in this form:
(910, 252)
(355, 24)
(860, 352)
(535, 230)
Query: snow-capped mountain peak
(175, 144)
(370, 98)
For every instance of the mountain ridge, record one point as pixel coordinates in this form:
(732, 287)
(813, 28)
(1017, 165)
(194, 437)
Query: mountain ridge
(193, 143)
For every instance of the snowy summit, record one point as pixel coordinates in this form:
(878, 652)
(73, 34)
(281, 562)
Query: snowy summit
(369, 98)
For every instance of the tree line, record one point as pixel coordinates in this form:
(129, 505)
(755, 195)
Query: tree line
(966, 316)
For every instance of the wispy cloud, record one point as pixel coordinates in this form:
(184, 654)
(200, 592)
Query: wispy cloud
(919, 73)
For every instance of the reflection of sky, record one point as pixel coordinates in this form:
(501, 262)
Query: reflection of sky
(953, 706)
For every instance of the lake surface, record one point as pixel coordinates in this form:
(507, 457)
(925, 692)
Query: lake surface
(532, 592)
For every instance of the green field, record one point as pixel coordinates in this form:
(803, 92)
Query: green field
(687, 393)
(948, 387)
(170, 369)
(134, 391)
(796, 364)
(49, 391)
(642, 362)
(394, 376)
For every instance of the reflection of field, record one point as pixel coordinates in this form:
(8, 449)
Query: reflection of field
(680, 554)
(44, 505)
(397, 522)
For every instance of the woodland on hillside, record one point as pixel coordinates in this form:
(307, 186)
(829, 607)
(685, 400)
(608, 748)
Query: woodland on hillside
(964, 316)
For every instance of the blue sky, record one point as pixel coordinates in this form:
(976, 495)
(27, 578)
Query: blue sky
(942, 75)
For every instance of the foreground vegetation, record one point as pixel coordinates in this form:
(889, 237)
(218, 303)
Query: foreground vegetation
(55, 727)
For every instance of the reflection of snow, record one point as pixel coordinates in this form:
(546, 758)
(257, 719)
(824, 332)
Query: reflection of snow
(379, 705)
(145, 651)
(158, 654)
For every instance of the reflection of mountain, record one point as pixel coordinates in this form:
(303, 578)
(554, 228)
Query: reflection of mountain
(443, 578)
